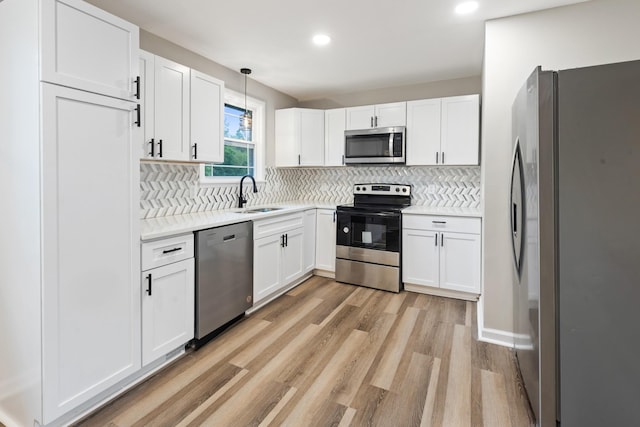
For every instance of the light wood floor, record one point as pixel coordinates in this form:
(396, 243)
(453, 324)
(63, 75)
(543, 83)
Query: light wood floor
(330, 354)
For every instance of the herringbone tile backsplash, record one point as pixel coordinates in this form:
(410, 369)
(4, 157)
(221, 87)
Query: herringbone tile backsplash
(174, 189)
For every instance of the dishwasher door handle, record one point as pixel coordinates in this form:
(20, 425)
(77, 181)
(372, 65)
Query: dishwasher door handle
(229, 238)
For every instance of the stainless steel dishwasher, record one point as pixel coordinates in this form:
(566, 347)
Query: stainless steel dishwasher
(224, 276)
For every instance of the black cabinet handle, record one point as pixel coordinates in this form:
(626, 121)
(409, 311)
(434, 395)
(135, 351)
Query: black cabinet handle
(443, 157)
(150, 281)
(441, 239)
(138, 122)
(343, 159)
(282, 241)
(160, 148)
(371, 121)
(153, 148)
(515, 219)
(437, 153)
(334, 216)
(168, 251)
(137, 81)
(298, 159)
(438, 222)
(436, 236)
(195, 151)
(376, 121)
(286, 240)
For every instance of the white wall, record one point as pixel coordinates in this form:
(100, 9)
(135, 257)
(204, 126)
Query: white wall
(591, 33)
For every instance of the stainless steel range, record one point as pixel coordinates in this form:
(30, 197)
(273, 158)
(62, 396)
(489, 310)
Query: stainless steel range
(368, 236)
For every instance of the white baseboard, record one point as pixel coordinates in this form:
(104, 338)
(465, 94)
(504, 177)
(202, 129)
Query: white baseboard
(324, 273)
(489, 335)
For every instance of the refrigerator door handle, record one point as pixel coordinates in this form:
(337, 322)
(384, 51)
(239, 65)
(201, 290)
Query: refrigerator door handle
(517, 206)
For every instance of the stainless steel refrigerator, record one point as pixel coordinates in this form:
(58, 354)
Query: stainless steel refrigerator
(575, 226)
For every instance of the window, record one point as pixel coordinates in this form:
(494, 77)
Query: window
(243, 148)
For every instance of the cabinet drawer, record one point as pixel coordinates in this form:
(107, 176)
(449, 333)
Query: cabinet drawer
(442, 223)
(277, 224)
(166, 251)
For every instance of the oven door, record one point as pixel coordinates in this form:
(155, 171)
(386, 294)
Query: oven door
(378, 231)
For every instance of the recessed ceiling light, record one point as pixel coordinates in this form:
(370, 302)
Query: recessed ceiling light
(466, 7)
(321, 39)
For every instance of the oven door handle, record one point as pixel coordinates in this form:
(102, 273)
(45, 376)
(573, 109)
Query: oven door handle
(369, 214)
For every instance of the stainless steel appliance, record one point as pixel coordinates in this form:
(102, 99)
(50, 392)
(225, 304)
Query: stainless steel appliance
(380, 145)
(368, 236)
(224, 275)
(575, 210)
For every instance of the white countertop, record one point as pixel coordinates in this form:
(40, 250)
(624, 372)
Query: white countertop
(154, 228)
(430, 210)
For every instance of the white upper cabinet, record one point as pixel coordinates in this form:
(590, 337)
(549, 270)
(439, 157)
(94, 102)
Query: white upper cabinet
(89, 49)
(299, 137)
(376, 116)
(335, 122)
(147, 98)
(460, 130)
(443, 131)
(423, 132)
(171, 110)
(207, 118)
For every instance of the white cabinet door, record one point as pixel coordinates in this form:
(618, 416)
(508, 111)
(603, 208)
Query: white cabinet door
(299, 137)
(360, 117)
(293, 256)
(460, 262)
(287, 131)
(147, 74)
(334, 127)
(167, 308)
(267, 266)
(423, 132)
(207, 121)
(326, 239)
(87, 48)
(392, 114)
(460, 130)
(309, 240)
(311, 137)
(421, 257)
(171, 110)
(91, 247)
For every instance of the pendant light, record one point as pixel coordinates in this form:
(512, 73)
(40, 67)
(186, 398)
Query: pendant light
(245, 119)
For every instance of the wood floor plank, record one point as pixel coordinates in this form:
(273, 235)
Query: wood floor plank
(228, 413)
(266, 339)
(332, 354)
(457, 411)
(386, 370)
(427, 411)
(306, 409)
(495, 411)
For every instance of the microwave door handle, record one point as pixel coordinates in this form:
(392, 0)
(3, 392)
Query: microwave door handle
(390, 144)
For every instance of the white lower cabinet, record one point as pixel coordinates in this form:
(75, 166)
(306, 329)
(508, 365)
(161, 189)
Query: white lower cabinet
(326, 239)
(309, 240)
(441, 253)
(167, 296)
(278, 254)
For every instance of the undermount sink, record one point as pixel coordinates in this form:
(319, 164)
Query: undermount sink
(261, 210)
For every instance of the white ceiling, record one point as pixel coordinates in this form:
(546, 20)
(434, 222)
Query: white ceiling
(375, 43)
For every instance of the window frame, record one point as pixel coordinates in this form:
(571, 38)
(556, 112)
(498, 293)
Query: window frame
(258, 107)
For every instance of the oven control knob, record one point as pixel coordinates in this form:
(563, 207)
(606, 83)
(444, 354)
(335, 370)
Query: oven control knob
(357, 188)
(345, 230)
(404, 190)
(397, 190)
(364, 188)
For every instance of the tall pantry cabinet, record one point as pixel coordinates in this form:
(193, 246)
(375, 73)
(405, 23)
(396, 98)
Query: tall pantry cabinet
(69, 253)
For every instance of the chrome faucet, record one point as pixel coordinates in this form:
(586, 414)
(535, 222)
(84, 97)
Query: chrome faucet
(241, 199)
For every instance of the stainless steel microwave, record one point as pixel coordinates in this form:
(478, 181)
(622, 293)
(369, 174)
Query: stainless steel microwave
(381, 145)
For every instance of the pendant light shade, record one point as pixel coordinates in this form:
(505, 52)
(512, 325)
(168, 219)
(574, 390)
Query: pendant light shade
(245, 120)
